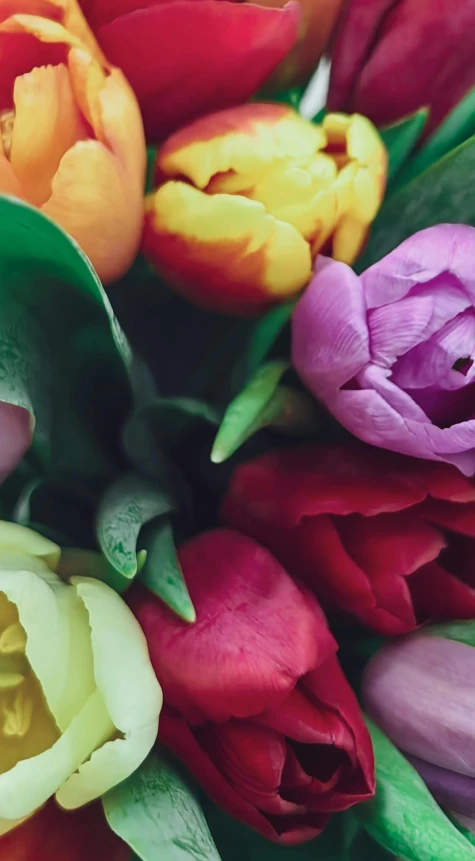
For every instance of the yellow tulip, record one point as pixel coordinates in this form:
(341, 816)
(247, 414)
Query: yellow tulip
(71, 134)
(79, 701)
(249, 196)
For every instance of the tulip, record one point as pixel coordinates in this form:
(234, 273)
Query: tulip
(16, 431)
(255, 702)
(390, 352)
(419, 691)
(54, 835)
(79, 702)
(387, 539)
(391, 58)
(186, 58)
(247, 197)
(71, 135)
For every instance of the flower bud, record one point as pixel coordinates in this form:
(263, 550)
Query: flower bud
(249, 196)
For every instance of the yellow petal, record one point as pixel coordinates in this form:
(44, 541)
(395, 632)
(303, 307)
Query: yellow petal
(130, 690)
(58, 645)
(243, 140)
(15, 538)
(348, 239)
(27, 785)
(225, 244)
(42, 28)
(47, 124)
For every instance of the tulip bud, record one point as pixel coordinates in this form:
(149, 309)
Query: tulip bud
(419, 691)
(249, 196)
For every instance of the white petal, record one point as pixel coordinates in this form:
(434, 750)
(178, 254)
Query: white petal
(32, 781)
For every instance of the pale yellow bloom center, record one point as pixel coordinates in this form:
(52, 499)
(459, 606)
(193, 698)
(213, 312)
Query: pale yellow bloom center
(27, 727)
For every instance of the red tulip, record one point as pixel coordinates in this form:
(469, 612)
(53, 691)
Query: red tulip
(386, 538)
(53, 835)
(256, 704)
(185, 58)
(391, 58)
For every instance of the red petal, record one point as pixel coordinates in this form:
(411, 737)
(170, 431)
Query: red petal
(457, 518)
(256, 632)
(15, 436)
(209, 55)
(53, 835)
(20, 53)
(177, 735)
(284, 486)
(436, 593)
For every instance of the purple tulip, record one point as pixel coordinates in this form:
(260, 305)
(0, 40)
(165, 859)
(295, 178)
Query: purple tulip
(391, 352)
(421, 692)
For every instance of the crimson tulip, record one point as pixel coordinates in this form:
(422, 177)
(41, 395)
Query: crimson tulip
(386, 538)
(391, 58)
(53, 835)
(255, 702)
(185, 58)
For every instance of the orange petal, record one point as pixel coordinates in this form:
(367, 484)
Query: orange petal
(43, 29)
(93, 201)
(242, 140)
(65, 12)
(223, 251)
(47, 124)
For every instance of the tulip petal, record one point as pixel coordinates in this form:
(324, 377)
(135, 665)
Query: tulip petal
(15, 538)
(178, 736)
(437, 593)
(32, 781)
(238, 590)
(62, 662)
(246, 140)
(222, 56)
(16, 431)
(224, 251)
(451, 790)
(88, 183)
(130, 691)
(327, 348)
(47, 124)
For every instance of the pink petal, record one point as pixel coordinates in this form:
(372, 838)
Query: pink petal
(16, 429)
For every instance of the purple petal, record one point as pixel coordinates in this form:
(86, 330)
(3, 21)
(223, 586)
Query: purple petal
(329, 330)
(15, 436)
(377, 378)
(396, 328)
(421, 692)
(452, 790)
(446, 248)
(431, 363)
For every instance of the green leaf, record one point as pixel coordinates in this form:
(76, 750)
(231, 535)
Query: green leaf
(463, 631)
(86, 563)
(292, 97)
(403, 816)
(401, 138)
(63, 356)
(252, 409)
(458, 126)
(261, 338)
(157, 814)
(441, 194)
(126, 505)
(162, 572)
(172, 419)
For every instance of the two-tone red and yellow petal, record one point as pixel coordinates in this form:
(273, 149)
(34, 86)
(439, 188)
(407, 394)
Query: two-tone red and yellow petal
(231, 148)
(223, 252)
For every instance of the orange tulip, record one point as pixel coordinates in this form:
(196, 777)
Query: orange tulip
(71, 140)
(249, 196)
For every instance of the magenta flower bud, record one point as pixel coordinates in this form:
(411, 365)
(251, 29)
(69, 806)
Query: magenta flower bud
(391, 352)
(420, 691)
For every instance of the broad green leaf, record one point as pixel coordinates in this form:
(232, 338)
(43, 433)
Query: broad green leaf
(86, 563)
(442, 194)
(401, 138)
(261, 338)
(171, 419)
(126, 506)
(403, 816)
(63, 356)
(457, 127)
(158, 815)
(162, 572)
(255, 407)
(463, 631)
(292, 97)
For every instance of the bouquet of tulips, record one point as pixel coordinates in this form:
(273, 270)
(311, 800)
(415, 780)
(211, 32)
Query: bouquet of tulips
(237, 430)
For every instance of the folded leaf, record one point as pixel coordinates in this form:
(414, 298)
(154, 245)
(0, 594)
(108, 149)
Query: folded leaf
(127, 505)
(255, 407)
(403, 816)
(158, 815)
(401, 138)
(162, 572)
(442, 194)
